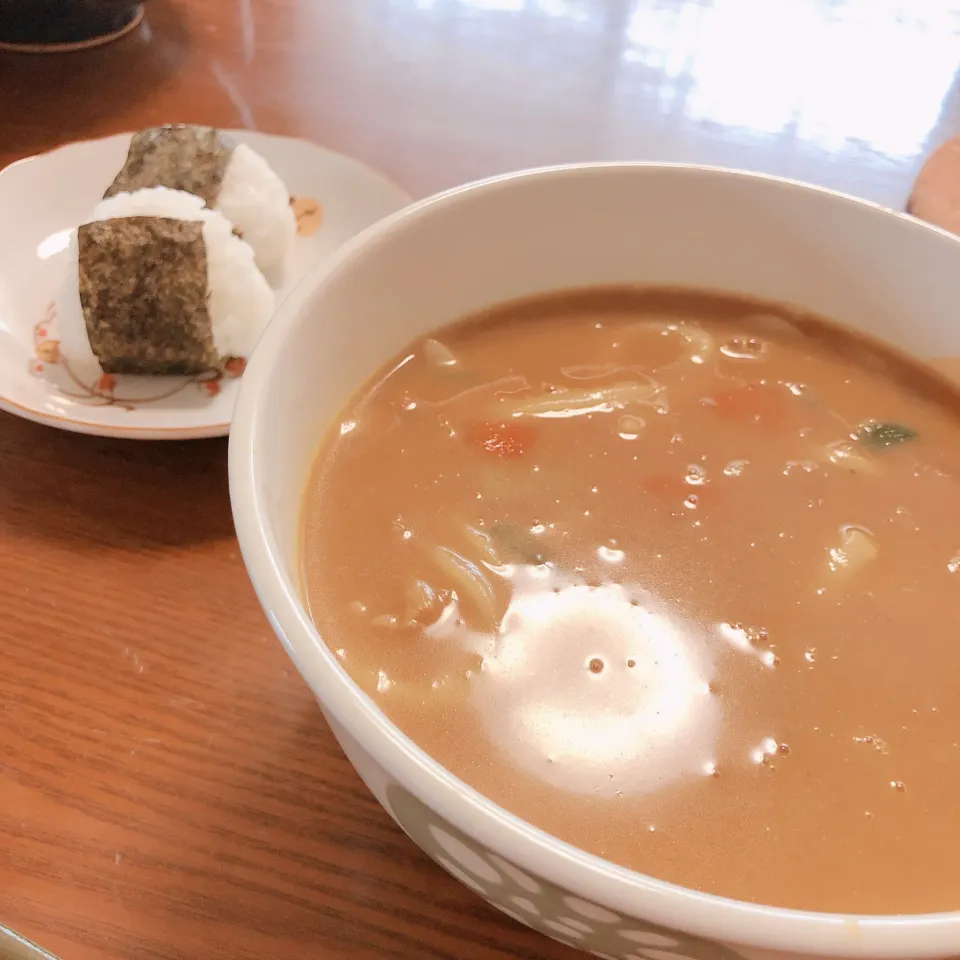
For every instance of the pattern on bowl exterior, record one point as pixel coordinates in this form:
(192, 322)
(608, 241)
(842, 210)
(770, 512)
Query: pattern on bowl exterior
(537, 902)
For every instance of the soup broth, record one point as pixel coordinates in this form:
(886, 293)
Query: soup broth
(673, 576)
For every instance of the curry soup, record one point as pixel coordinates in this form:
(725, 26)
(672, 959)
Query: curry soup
(673, 576)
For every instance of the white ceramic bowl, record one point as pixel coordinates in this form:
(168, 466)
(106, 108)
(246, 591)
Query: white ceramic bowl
(517, 235)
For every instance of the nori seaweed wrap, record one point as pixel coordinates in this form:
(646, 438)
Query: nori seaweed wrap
(161, 285)
(229, 177)
(180, 157)
(143, 291)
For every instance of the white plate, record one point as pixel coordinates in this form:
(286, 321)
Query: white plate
(44, 198)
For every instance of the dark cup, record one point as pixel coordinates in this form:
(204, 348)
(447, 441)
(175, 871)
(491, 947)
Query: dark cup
(59, 23)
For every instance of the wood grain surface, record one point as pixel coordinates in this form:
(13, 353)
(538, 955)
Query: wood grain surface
(168, 788)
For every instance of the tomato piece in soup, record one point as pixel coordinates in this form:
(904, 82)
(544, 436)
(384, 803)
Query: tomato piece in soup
(765, 404)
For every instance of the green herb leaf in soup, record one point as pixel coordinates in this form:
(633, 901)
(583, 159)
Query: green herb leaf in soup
(880, 435)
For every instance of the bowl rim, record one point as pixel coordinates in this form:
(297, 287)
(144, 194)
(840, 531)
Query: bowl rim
(632, 894)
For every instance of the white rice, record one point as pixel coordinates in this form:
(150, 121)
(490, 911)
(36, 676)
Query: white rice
(254, 198)
(71, 327)
(152, 202)
(240, 301)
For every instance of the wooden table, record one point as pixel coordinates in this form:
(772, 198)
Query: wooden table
(169, 787)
